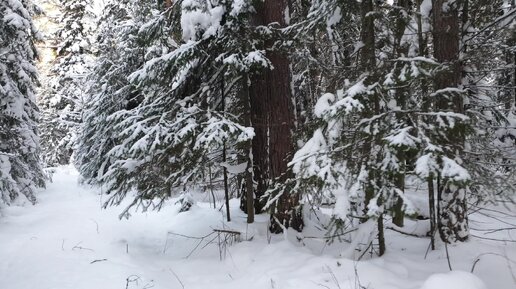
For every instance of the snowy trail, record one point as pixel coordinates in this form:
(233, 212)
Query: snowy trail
(52, 244)
(67, 242)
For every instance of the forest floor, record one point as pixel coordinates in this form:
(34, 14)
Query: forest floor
(67, 241)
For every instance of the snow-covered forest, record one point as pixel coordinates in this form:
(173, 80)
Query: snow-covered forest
(341, 144)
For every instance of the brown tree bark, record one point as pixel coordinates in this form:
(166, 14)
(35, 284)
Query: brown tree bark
(273, 119)
(452, 205)
(368, 64)
(260, 122)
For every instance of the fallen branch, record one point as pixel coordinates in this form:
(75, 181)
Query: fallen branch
(224, 239)
(227, 231)
(98, 260)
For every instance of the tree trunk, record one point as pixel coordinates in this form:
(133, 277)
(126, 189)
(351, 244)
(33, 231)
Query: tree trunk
(247, 198)
(224, 157)
(258, 91)
(452, 215)
(368, 65)
(401, 49)
(431, 206)
(271, 105)
(259, 119)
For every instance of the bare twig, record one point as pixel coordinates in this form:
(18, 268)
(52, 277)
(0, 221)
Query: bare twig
(477, 259)
(330, 271)
(365, 251)
(322, 285)
(98, 260)
(431, 244)
(399, 230)
(177, 277)
(225, 238)
(130, 279)
(447, 256)
(358, 284)
(81, 248)
(494, 239)
(97, 224)
(498, 230)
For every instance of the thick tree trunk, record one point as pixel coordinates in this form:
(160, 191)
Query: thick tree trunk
(452, 214)
(446, 35)
(280, 142)
(258, 91)
(259, 119)
(273, 117)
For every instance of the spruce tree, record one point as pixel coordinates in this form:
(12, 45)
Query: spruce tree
(179, 115)
(63, 101)
(119, 54)
(20, 168)
(382, 125)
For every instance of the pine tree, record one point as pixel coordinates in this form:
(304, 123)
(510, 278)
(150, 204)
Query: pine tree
(20, 169)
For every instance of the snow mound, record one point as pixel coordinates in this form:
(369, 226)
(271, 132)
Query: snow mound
(454, 280)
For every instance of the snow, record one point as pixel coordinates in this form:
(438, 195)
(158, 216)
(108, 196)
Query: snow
(239, 7)
(426, 8)
(245, 62)
(200, 17)
(426, 165)
(16, 20)
(67, 241)
(402, 137)
(454, 171)
(323, 104)
(333, 20)
(235, 169)
(454, 280)
(306, 162)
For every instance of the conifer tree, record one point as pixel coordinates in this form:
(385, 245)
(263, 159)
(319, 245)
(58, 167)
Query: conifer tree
(451, 189)
(20, 168)
(189, 89)
(63, 100)
(119, 55)
(303, 102)
(383, 124)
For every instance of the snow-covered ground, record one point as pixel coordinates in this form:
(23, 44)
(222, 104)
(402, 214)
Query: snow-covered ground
(68, 241)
